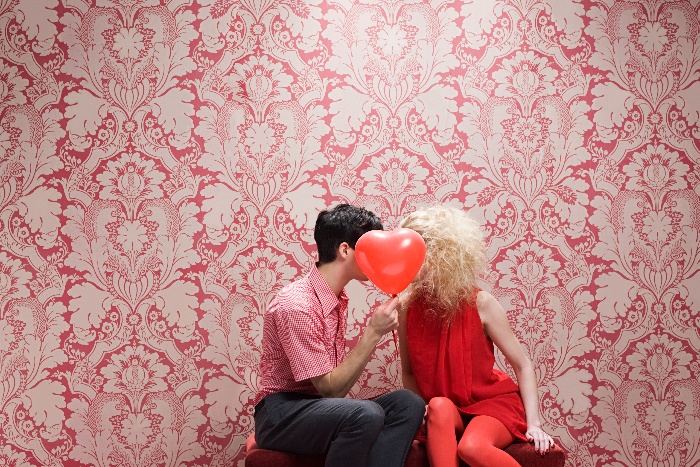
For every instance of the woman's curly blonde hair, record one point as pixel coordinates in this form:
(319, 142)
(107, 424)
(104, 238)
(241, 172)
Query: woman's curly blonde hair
(455, 259)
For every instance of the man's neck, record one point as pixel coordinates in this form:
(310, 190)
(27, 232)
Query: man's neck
(335, 276)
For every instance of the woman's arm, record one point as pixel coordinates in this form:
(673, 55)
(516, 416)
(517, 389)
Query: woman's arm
(409, 381)
(497, 328)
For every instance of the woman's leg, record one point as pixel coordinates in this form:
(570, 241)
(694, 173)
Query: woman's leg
(483, 442)
(443, 425)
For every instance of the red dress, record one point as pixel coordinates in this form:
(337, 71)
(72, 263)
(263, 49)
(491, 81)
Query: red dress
(457, 362)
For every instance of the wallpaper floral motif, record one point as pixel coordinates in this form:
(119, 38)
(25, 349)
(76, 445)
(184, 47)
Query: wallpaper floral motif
(163, 162)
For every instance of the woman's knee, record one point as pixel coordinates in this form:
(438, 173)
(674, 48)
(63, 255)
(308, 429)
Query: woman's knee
(469, 450)
(441, 408)
(441, 414)
(441, 404)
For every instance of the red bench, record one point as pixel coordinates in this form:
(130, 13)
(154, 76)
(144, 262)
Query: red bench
(524, 453)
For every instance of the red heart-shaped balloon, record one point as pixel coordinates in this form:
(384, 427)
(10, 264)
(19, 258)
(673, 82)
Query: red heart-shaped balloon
(390, 259)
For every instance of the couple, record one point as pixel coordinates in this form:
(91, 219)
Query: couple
(447, 328)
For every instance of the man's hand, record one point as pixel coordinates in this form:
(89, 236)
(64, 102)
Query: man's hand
(339, 381)
(385, 318)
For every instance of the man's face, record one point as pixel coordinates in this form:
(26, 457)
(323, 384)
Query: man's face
(355, 270)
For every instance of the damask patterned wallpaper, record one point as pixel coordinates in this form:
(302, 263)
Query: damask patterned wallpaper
(163, 163)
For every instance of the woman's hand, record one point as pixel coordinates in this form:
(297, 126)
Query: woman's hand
(543, 442)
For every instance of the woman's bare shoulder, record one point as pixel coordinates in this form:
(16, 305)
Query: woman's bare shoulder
(490, 310)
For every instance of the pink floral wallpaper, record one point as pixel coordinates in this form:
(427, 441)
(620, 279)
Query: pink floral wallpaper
(162, 163)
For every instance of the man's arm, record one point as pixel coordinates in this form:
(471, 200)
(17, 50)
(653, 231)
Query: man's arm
(339, 381)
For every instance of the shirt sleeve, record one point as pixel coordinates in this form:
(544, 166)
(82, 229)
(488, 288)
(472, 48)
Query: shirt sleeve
(300, 332)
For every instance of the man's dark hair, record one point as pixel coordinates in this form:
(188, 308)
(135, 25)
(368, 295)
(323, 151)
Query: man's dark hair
(343, 223)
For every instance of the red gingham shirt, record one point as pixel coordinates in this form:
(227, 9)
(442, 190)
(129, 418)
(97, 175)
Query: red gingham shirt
(303, 335)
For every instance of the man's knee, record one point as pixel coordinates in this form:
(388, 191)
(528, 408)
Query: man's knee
(412, 403)
(368, 415)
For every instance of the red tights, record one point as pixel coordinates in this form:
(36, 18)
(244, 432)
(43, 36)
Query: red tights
(481, 442)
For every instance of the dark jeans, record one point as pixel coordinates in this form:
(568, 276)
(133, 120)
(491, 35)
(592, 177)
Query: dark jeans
(353, 432)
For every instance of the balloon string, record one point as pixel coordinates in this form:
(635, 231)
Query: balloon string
(393, 333)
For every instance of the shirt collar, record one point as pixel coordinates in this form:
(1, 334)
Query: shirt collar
(329, 301)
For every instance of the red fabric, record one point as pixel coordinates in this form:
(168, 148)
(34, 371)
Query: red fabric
(524, 453)
(303, 335)
(457, 361)
(256, 457)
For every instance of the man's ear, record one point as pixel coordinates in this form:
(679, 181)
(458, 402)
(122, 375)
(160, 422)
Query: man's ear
(343, 250)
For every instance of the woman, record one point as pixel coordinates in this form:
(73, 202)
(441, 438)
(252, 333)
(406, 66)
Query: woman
(447, 331)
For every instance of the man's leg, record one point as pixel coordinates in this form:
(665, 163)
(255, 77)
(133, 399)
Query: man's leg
(344, 428)
(404, 412)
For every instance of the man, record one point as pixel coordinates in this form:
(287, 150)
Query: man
(301, 406)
